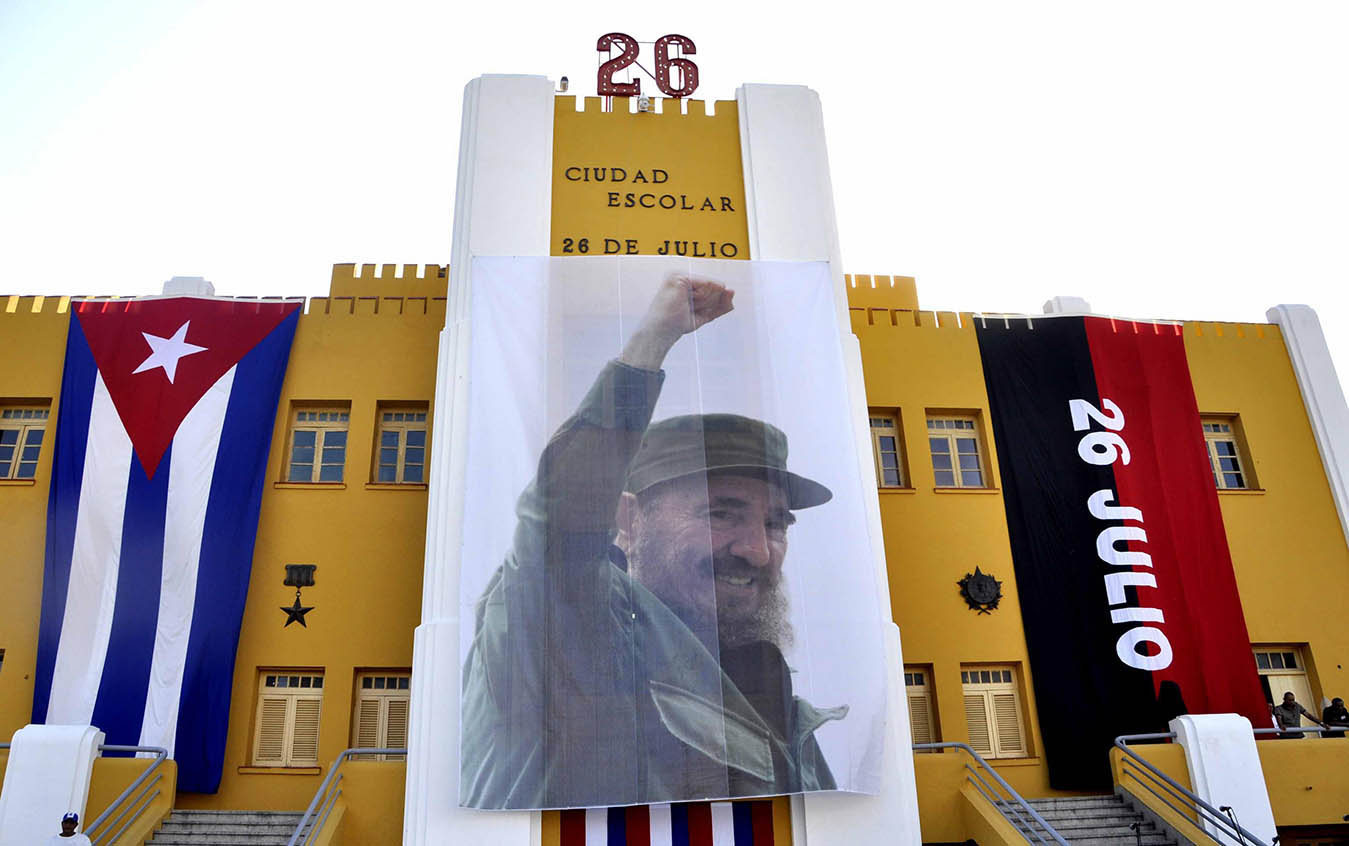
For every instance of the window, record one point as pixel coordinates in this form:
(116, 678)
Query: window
(381, 717)
(957, 460)
(402, 445)
(289, 703)
(886, 448)
(1230, 470)
(21, 432)
(993, 712)
(1281, 671)
(318, 445)
(922, 716)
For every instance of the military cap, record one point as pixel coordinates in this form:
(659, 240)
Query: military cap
(720, 443)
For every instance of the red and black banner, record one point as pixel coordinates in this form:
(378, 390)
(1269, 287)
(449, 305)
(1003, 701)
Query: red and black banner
(1128, 597)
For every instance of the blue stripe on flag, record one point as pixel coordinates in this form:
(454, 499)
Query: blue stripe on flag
(72, 434)
(742, 815)
(618, 827)
(227, 559)
(120, 708)
(679, 824)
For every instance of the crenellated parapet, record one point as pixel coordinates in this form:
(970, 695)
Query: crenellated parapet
(387, 281)
(15, 304)
(663, 108)
(867, 291)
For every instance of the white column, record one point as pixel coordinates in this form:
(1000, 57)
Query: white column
(789, 201)
(502, 207)
(1322, 394)
(46, 778)
(1225, 771)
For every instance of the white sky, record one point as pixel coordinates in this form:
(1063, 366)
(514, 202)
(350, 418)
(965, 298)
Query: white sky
(1161, 159)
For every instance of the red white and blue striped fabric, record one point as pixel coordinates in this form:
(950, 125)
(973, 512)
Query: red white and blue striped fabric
(684, 824)
(163, 431)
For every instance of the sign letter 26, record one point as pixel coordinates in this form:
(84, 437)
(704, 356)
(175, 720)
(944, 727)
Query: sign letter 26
(606, 86)
(1099, 447)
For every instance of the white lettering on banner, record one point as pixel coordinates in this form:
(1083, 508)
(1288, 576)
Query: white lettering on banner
(1104, 448)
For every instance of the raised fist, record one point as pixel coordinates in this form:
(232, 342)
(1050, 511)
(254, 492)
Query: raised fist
(681, 305)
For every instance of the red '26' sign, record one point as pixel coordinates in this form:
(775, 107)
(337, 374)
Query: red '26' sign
(688, 71)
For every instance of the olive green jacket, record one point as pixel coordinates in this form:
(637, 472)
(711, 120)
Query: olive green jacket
(581, 688)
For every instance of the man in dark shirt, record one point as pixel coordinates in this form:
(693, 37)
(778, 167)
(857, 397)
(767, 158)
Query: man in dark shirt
(1289, 715)
(629, 650)
(1336, 715)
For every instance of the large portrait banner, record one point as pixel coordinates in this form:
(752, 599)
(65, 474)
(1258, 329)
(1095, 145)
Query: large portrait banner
(668, 584)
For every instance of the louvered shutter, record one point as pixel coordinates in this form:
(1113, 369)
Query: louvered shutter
(976, 720)
(304, 744)
(367, 723)
(920, 718)
(270, 749)
(397, 724)
(1007, 718)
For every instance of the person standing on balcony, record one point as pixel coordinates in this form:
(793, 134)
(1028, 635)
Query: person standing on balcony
(1289, 715)
(1336, 715)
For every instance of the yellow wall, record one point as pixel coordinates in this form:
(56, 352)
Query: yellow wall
(1289, 554)
(696, 154)
(367, 540)
(1305, 778)
(915, 362)
(31, 358)
(373, 794)
(113, 775)
(1288, 550)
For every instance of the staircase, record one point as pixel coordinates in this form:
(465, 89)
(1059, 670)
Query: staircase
(227, 828)
(1092, 821)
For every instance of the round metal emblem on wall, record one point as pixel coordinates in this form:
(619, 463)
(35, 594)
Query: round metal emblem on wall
(982, 592)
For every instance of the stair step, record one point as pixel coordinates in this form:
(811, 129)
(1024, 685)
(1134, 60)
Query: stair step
(1090, 805)
(1111, 816)
(1122, 840)
(220, 840)
(1109, 823)
(227, 828)
(172, 826)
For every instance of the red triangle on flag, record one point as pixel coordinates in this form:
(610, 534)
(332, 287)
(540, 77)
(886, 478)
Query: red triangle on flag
(159, 356)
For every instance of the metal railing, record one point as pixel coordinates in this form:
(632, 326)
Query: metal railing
(1179, 799)
(326, 797)
(1012, 806)
(133, 801)
(1341, 730)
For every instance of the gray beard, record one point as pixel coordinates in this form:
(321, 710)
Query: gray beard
(648, 564)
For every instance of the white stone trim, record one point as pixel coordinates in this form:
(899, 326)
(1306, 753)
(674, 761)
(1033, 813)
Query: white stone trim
(1225, 771)
(1322, 395)
(789, 203)
(503, 206)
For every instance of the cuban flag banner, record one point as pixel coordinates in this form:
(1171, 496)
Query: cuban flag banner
(163, 432)
(743, 823)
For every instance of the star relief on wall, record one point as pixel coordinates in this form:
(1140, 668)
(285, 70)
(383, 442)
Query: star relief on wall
(298, 576)
(982, 592)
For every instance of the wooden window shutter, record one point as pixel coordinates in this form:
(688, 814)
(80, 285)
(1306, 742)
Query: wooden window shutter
(304, 744)
(367, 723)
(920, 717)
(976, 719)
(1007, 717)
(397, 734)
(270, 749)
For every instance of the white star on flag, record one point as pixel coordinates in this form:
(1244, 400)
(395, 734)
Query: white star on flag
(165, 352)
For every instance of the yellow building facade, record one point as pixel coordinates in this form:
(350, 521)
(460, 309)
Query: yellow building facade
(369, 350)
